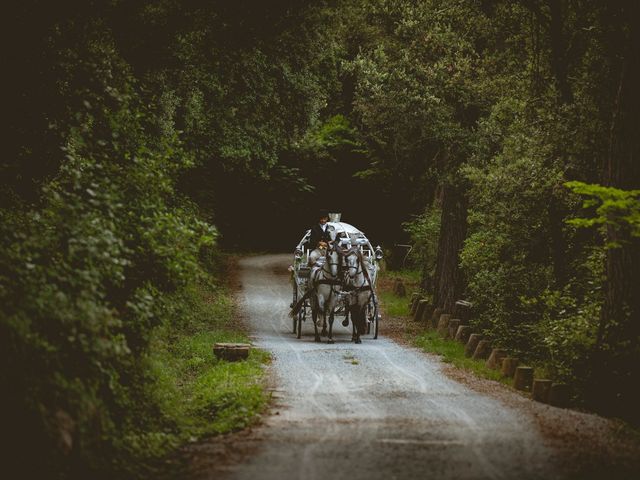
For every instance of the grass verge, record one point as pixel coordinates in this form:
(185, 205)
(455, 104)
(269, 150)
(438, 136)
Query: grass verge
(193, 393)
(453, 352)
(428, 340)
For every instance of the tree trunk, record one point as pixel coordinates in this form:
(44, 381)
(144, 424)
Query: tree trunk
(617, 356)
(559, 57)
(449, 283)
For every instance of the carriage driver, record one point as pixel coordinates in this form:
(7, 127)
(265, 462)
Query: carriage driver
(320, 232)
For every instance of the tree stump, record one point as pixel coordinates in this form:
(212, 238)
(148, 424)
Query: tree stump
(422, 304)
(509, 365)
(433, 323)
(399, 288)
(541, 389)
(482, 351)
(472, 343)
(462, 335)
(454, 323)
(495, 359)
(443, 324)
(559, 394)
(462, 310)
(231, 352)
(523, 379)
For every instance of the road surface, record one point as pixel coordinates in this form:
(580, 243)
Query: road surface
(379, 410)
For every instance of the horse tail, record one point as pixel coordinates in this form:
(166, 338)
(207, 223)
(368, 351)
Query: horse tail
(296, 308)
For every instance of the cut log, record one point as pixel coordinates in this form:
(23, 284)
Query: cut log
(462, 310)
(422, 304)
(462, 335)
(433, 323)
(540, 390)
(523, 379)
(399, 288)
(495, 359)
(509, 365)
(443, 324)
(231, 352)
(482, 351)
(472, 343)
(454, 323)
(559, 394)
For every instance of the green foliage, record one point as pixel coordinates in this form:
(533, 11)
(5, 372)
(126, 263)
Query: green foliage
(197, 394)
(424, 231)
(85, 269)
(616, 208)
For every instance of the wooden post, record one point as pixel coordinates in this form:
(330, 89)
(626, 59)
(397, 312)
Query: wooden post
(462, 335)
(509, 365)
(523, 379)
(399, 288)
(426, 315)
(454, 323)
(559, 395)
(462, 310)
(482, 351)
(472, 343)
(231, 351)
(433, 323)
(422, 304)
(495, 359)
(415, 298)
(541, 389)
(443, 324)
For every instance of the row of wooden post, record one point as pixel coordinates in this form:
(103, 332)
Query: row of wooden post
(455, 326)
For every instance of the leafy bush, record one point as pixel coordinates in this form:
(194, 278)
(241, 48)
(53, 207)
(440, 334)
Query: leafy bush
(424, 231)
(83, 270)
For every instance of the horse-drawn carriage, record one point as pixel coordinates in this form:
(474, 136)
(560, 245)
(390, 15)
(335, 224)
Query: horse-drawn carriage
(336, 281)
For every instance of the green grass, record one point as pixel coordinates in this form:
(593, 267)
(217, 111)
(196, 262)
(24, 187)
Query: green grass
(392, 304)
(428, 340)
(409, 277)
(195, 393)
(453, 352)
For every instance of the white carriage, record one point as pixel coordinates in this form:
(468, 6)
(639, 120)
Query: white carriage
(342, 234)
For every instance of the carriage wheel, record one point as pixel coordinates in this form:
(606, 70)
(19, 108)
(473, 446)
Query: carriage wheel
(372, 317)
(376, 318)
(295, 319)
(299, 319)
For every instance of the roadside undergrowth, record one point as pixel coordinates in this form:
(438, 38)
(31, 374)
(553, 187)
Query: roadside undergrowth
(198, 395)
(428, 340)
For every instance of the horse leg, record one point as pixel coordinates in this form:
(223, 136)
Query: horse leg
(314, 317)
(357, 318)
(353, 329)
(330, 340)
(324, 324)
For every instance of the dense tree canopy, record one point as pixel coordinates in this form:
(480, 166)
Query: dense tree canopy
(500, 137)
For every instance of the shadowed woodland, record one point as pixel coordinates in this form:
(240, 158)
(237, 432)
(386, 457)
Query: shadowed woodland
(499, 138)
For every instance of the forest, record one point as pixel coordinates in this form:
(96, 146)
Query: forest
(500, 138)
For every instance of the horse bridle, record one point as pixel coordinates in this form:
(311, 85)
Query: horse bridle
(355, 250)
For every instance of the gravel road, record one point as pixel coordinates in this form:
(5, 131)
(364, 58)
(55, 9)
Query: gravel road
(375, 410)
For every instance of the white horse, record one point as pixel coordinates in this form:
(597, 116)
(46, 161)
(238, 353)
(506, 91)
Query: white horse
(324, 288)
(359, 286)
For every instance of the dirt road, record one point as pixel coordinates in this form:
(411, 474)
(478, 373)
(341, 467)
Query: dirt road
(369, 411)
